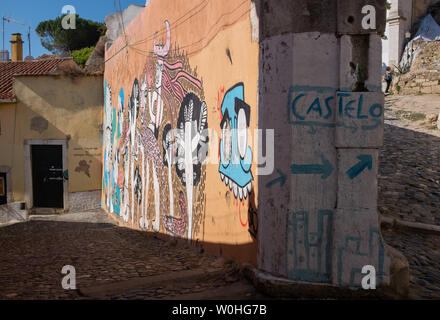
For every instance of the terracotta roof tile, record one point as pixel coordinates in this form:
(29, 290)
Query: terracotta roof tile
(35, 67)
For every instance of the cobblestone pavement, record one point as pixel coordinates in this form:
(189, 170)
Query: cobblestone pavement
(423, 254)
(409, 174)
(409, 187)
(34, 253)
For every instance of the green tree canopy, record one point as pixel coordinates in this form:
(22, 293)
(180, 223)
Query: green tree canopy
(81, 56)
(61, 41)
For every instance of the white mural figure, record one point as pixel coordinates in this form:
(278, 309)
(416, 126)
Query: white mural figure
(143, 221)
(155, 101)
(138, 189)
(132, 171)
(192, 136)
(188, 146)
(108, 142)
(156, 222)
(125, 212)
(108, 166)
(149, 134)
(168, 148)
(149, 148)
(145, 181)
(140, 151)
(114, 176)
(133, 112)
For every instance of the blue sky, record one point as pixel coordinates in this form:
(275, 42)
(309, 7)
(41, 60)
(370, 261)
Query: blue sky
(32, 12)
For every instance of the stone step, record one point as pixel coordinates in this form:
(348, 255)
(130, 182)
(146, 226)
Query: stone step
(236, 291)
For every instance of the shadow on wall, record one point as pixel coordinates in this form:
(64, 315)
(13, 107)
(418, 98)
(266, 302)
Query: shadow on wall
(244, 252)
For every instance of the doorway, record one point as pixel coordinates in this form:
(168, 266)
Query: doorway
(47, 176)
(3, 189)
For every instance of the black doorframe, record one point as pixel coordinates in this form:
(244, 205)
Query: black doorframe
(3, 188)
(28, 143)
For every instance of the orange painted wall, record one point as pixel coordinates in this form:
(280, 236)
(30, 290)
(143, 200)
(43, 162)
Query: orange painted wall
(213, 41)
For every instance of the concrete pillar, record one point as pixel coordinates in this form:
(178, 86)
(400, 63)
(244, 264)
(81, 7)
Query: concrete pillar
(399, 22)
(320, 90)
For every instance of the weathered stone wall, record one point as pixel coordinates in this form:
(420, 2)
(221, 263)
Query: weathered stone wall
(418, 82)
(424, 75)
(320, 90)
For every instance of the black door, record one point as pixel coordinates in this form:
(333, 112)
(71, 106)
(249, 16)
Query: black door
(3, 188)
(47, 176)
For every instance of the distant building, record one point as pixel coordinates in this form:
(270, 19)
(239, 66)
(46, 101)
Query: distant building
(50, 134)
(400, 19)
(117, 22)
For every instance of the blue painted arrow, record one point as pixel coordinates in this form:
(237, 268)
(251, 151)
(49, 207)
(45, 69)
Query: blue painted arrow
(365, 161)
(326, 168)
(282, 180)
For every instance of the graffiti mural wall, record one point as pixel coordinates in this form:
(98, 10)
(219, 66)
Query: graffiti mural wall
(163, 128)
(149, 143)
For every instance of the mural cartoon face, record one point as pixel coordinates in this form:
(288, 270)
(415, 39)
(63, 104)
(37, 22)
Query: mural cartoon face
(235, 154)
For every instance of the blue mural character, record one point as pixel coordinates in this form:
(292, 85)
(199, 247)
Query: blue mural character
(117, 123)
(235, 154)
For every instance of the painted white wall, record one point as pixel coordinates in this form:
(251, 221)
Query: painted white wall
(399, 22)
(386, 45)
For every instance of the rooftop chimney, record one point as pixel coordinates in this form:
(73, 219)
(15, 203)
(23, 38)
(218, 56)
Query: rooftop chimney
(16, 48)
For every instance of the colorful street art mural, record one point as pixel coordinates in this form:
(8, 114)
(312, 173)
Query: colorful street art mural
(235, 153)
(155, 146)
